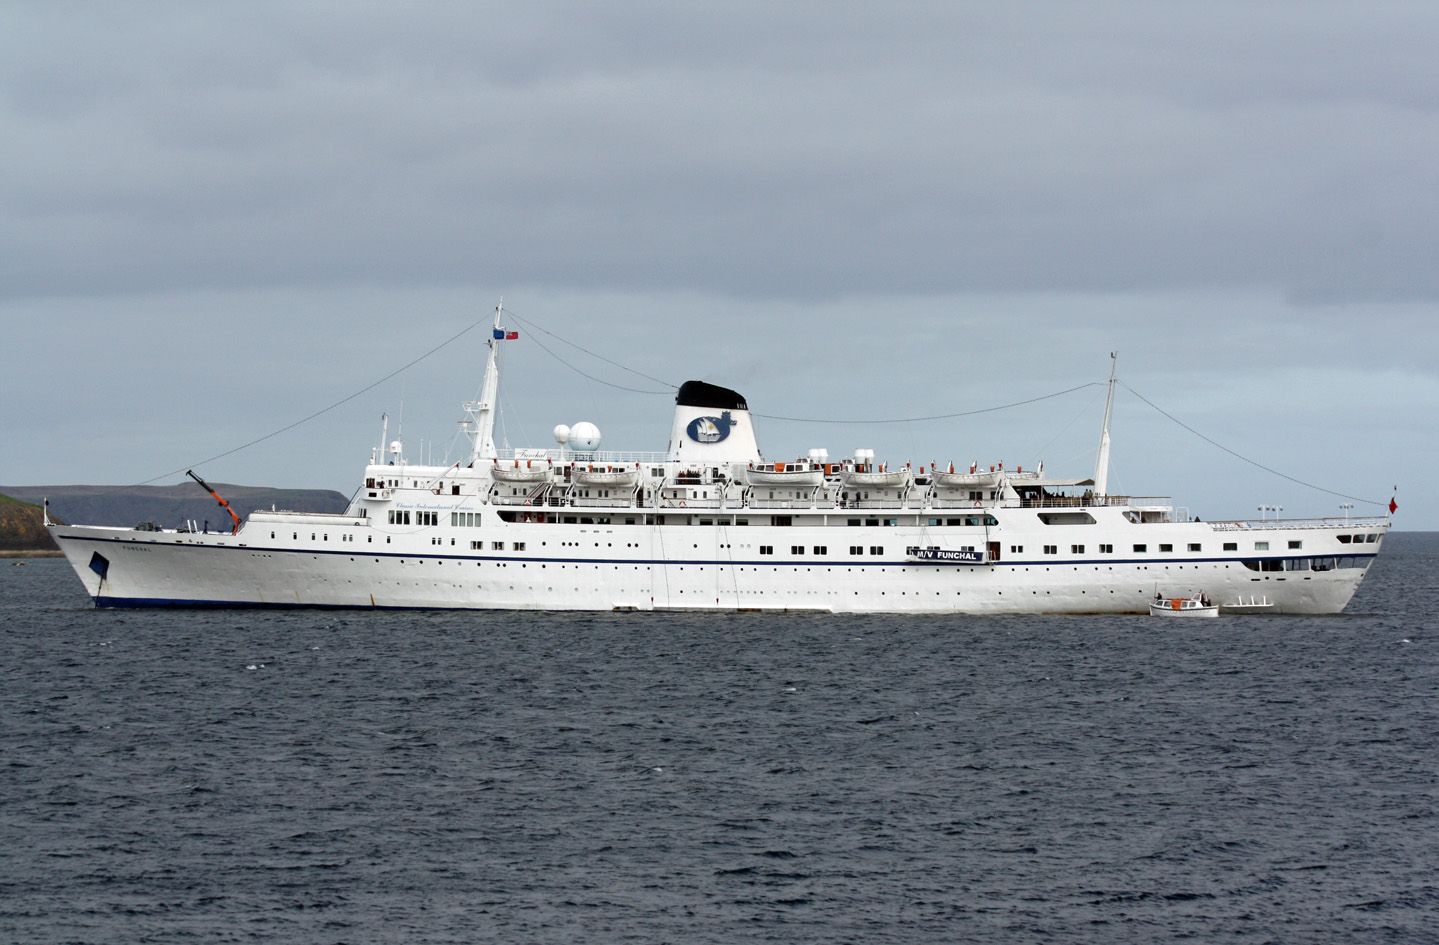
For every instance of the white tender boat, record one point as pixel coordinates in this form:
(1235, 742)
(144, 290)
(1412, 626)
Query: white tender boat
(521, 471)
(1182, 607)
(973, 479)
(710, 524)
(875, 479)
(788, 475)
(1252, 605)
(609, 476)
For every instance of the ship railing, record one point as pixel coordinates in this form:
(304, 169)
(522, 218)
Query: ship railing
(872, 504)
(1097, 501)
(1273, 524)
(691, 503)
(514, 500)
(937, 503)
(786, 504)
(616, 457)
(612, 502)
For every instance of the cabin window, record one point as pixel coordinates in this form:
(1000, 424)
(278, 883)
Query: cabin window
(1051, 549)
(856, 549)
(497, 546)
(1106, 549)
(1163, 548)
(766, 549)
(1076, 549)
(1016, 549)
(1296, 544)
(519, 546)
(784, 520)
(1261, 546)
(796, 549)
(954, 521)
(871, 521)
(1344, 539)
(1231, 546)
(1140, 549)
(821, 549)
(741, 521)
(854, 523)
(1195, 546)
(876, 549)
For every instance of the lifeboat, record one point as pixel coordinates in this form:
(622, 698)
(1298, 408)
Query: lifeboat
(794, 475)
(975, 478)
(607, 476)
(528, 471)
(884, 479)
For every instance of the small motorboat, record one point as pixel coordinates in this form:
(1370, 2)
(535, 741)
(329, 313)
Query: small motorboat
(1183, 607)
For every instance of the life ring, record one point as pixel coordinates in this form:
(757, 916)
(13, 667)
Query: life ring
(527, 502)
(682, 503)
(978, 506)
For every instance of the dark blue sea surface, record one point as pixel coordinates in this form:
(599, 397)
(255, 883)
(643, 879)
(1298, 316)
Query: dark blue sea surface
(324, 777)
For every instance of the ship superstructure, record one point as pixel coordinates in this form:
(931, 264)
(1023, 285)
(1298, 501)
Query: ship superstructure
(710, 524)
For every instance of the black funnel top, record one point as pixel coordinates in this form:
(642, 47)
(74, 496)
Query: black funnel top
(700, 394)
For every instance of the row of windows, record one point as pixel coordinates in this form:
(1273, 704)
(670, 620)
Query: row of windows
(497, 546)
(823, 549)
(1304, 564)
(402, 517)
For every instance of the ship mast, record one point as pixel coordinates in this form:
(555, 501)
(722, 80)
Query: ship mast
(483, 410)
(1101, 463)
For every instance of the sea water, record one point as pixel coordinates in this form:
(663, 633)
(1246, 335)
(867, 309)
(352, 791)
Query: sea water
(332, 776)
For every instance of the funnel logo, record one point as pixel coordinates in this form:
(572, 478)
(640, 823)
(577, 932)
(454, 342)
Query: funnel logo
(709, 429)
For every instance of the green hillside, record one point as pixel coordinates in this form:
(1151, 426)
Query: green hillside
(22, 528)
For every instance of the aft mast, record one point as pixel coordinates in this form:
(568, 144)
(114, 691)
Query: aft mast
(1101, 462)
(482, 411)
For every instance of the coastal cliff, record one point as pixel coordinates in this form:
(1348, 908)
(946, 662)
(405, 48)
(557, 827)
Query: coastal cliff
(22, 529)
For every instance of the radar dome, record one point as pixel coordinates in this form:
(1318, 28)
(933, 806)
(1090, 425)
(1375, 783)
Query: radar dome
(584, 437)
(562, 434)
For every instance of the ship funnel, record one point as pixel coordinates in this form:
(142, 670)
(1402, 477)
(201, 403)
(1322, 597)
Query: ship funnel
(712, 427)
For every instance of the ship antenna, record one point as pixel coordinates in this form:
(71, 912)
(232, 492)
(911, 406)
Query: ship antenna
(483, 410)
(1101, 462)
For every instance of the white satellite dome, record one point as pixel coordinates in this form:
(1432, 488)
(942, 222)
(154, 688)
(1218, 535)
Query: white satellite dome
(562, 434)
(584, 437)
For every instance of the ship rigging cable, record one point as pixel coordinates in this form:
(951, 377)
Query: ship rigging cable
(1307, 485)
(455, 337)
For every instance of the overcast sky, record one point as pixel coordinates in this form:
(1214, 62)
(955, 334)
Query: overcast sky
(218, 219)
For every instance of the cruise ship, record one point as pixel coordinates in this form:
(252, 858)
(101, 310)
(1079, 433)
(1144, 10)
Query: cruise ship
(712, 525)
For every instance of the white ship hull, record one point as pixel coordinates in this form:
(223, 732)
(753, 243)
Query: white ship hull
(687, 567)
(710, 525)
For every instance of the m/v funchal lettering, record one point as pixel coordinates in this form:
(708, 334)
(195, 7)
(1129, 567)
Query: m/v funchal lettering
(711, 524)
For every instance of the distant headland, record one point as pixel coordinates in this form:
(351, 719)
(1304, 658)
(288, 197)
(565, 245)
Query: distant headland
(23, 534)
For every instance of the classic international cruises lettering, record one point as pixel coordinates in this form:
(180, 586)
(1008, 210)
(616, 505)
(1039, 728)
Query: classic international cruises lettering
(710, 429)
